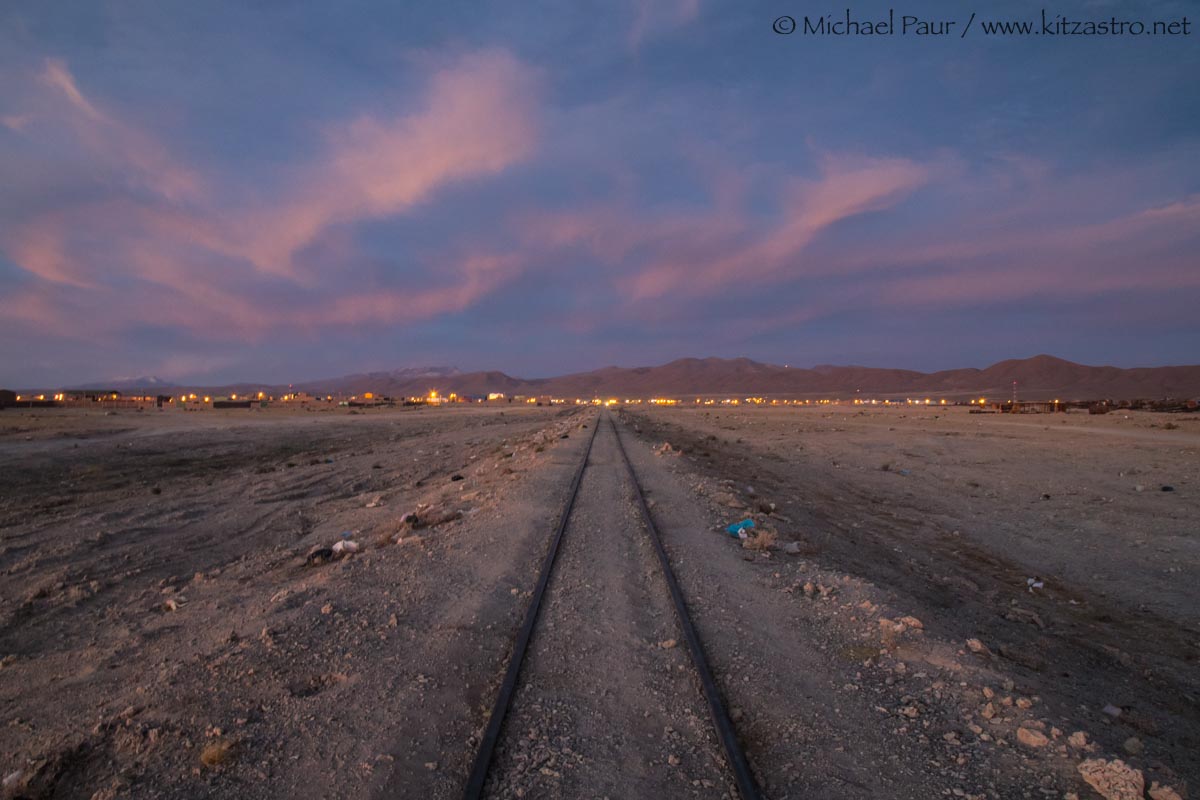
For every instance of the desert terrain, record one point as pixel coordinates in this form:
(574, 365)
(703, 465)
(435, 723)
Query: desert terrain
(932, 603)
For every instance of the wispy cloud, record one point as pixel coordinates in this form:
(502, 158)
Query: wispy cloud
(179, 256)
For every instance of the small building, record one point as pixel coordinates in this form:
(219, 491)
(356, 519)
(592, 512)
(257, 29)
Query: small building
(7, 398)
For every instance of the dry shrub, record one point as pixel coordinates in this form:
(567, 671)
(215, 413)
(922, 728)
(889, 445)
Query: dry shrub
(218, 752)
(765, 540)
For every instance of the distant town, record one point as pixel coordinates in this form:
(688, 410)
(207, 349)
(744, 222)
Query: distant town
(192, 401)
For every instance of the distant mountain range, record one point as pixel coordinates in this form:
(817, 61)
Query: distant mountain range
(1041, 377)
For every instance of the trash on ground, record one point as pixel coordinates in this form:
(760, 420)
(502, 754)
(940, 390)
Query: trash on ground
(738, 529)
(1035, 583)
(344, 548)
(319, 555)
(428, 517)
(667, 450)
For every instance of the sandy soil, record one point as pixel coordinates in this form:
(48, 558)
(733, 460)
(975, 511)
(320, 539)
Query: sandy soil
(163, 635)
(949, 514)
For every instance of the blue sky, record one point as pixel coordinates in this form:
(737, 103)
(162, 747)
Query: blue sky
(280, 191)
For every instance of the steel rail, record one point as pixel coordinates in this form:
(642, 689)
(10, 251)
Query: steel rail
(746, 783)
(491, 734)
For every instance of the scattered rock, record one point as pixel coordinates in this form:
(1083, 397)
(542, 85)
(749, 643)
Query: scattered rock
(792, 548)
(673, 760)
(1133, 745)
(1031, 738)
(976, 646)
(1078, 740)
(912, 622)
(889, 632)
(667, 644)
(327, 609)
(1158, 792)
(456, 477)
(1113, 780)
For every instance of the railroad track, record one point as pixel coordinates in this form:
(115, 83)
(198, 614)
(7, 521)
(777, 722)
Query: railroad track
(722, 723)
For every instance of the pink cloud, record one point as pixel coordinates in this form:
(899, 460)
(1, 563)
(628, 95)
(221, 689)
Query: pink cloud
(183, 259)
(115, 142)
(477, 120)
(698, 254)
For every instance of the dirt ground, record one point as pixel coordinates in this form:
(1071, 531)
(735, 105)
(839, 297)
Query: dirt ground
(164, 633)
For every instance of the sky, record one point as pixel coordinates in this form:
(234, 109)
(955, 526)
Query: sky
(278, 191)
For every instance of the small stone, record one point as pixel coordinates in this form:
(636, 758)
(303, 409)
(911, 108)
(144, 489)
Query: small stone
(1078, 740)
(912, 622)
(1031, 738)
(910, 711)
(673, 760)
(1159, 792)
(1133, 745)
(667, 644)
(327, 608)
(976, 646)
(431, 765)
(1024, 702)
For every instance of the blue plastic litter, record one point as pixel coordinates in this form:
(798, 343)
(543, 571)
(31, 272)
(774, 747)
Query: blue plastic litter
(737, 527)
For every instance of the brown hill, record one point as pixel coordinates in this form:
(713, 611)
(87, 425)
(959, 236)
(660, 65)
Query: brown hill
(1042, 377)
